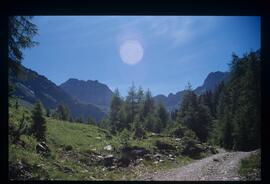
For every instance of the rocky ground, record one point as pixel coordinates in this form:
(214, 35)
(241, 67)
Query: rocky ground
(219, 167)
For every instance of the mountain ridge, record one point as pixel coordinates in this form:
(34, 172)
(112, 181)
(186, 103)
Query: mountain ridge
(172, 101)
(31, 87)
(80, 95)
(89, 92)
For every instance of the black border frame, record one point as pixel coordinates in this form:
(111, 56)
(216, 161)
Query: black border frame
(132, 7)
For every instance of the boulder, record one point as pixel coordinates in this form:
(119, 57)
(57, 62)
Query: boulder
(193, 150)
(132, 153)
(213, 150)
(147, 157)
(108, 160)
(139, 152)
(123, 162)
(42, 148)
(164, 146)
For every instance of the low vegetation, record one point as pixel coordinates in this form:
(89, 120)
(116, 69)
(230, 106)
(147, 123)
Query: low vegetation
(250, 168)
(79, 151)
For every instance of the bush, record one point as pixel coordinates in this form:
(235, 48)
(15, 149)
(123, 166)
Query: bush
(164, 146)
(178, 131)
(124, 138)
(250, 168)
(192, 148)
(138, 130)
(68, 148)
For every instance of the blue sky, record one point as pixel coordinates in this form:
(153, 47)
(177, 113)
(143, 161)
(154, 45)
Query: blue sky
(176, 49)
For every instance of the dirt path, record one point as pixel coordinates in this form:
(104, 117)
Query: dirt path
(222, 166)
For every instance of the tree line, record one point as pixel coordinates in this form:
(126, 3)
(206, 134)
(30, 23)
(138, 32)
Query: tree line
(228, 116)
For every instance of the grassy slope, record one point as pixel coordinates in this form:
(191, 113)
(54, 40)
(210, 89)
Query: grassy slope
(83, 139)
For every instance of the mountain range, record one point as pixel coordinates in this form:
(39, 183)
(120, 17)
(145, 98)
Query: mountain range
(88, 98)
(172, 101)
(30, 87)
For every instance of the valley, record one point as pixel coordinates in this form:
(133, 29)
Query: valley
(61, 127)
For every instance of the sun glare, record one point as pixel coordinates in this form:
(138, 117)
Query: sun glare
(131, 52)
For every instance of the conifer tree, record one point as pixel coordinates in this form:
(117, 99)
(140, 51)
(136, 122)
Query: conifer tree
(131, 105)
(239, 107)
(39, 122)
(62, 112)
(193, 115)
(162, 115)
(116, 113)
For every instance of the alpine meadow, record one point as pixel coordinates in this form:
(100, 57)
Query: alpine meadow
(146, 98)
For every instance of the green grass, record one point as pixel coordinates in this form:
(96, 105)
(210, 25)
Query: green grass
(250, 168)
(80, 136)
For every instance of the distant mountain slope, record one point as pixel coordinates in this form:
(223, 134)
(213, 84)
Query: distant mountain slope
(211, 81)
(172, 101)
(30, 86)
(89, 92)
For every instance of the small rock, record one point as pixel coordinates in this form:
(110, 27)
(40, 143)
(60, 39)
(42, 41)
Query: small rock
(156, 162)
(157, 155)
(99, 138)
(139, 160)
(161, 160)
(112, 167)
(153, 134)
(108, 147)
(215, 159)
(84, 171)
(67, 170)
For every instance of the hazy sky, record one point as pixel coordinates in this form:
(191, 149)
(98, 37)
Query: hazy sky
(162, 53)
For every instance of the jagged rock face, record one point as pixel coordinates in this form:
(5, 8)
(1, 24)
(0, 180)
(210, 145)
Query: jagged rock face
(211, 81)
(91, 92)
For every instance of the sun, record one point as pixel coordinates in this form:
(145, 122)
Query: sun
(131, 52)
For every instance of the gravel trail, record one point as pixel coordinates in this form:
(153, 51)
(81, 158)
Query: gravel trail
(219, 167)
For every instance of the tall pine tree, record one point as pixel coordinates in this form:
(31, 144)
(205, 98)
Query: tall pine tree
(39, 122)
